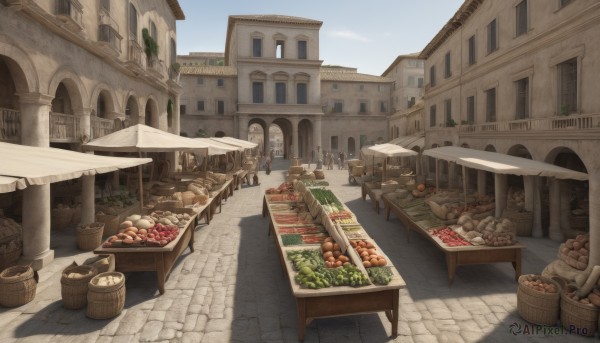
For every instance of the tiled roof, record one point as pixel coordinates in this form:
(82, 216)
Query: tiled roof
(209, 70)
(273, 18)
(177, 11)
(349, 76)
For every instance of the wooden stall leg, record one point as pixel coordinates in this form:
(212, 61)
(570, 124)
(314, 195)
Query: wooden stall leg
(191, 244)
(160, 272)
(376, 206)
(451, 260)
(395, 312)
(270, 228)
(363, 192)
(517, 264)
(301, 304)
(265, 206)
(387, 212)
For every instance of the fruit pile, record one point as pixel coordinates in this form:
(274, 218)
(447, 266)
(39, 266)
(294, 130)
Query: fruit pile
(368, 253)
(539, 285)
(449, 237)
(332, 254)
(157, 236)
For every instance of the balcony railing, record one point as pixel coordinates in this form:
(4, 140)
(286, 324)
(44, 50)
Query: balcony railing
(135, 53)
(70, 10)
(156, 67)
(10, 125)
(578, 122)
(100, 127)
(109, 35)
(64, 127)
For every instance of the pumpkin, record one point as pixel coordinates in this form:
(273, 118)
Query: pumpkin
(421, 187)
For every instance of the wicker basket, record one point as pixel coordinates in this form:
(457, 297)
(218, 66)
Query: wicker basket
(111, 223)
(105, 301)
(296, 170)
(103, 263)
(10, 257)
(537, 307)
(61, 218)
(319, 174)
(17, 286)
(89, 237)
(74, 290)
(577, 317)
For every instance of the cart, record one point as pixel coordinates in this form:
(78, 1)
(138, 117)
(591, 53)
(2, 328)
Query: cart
(356, 171)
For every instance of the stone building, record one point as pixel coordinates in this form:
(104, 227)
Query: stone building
(74, 70)
(272, 75)
(520, 78)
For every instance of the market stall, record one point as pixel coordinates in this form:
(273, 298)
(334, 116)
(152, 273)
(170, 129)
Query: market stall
(247, 159)
(334, 267)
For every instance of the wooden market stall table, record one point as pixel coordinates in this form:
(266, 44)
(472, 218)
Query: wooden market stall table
(460, 255)
(336, 300)
(368, 188)
(153, 259)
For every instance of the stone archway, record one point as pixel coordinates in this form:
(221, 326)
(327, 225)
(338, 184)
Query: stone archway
(132, 111)
(286, 129)
(151, 113)
(257, 133)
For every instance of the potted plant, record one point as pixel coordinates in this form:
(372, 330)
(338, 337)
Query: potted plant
(450, 123)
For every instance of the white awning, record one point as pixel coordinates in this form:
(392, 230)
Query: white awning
(39, 166)
(10, 184)
(387, 150)
(237, 142)
(409, 142)
(219, 145)
(140, 137)
(501, 163)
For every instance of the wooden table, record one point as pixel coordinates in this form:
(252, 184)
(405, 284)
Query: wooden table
(462, 255)
(368, 188)
(153, 259)
(337, 300)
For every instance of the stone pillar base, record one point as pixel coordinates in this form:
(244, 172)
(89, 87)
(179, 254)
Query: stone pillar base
(40, 261)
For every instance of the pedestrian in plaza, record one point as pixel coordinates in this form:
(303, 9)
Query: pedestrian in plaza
(268, 168)
(272, 155)
(319, 158)
(342, 158)
(330, 161)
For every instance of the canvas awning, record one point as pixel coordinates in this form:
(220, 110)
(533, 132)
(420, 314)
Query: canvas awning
(39, 166)
(217, 144)
(143, 138)
(409, 142)
(501, 163)
(387, 150)
(237, 142)
(10, 184)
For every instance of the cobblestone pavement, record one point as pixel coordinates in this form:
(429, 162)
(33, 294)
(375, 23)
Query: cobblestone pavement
(231, 289)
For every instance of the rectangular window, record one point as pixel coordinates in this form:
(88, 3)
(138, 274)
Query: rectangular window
(337, 106)
(568, 86)
(362, 107)
(334, 86)
(279, 49)
(420, 82)
(411, 81)
(280, 97)
(181, 109)
(200, 81)
(471, 110)
(411, 63)
(521, 17)
(200, 106)
(492, 37)
(490, 106)
(302, 55)
(448, 113)
(383, 106)
(447, 68)
(472, 55)
(133, 27)
(381, 88)
(105, 4)
(256, 47)
(334, 142)
(432, 76)
(361, 87)
(522, 99)
(221, 107)
(432, 116)
(301, 94)
(411, 102)
(257, 93)
(220, 82)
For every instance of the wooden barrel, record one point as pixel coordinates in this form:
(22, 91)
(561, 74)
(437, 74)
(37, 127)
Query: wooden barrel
(106, 299)
(17, 286)
(74, 285)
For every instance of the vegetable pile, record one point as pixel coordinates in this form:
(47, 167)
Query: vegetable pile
(313, 274)
(380, 275)
(326, 198)
(157, 236)
(575, 252)
(368, 253)
(449, 237)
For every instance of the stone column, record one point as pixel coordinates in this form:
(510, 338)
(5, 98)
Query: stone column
(528, 188)
(243, 127)
(594, 188)
(87, 199)
(294, 137)
(565, 206)
(452, 175)
(481, 182)
(536, 208)
(317, 133)
(35, 131)
(555, 214)
(500, 185)
(267, 138)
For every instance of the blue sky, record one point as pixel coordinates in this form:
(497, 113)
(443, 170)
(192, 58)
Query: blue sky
(367, 35)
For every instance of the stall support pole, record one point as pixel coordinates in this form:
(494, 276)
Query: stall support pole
(87, 199)
(554, 227)
(141, 186)
(437, 175)
(500, 183)
(464, 172)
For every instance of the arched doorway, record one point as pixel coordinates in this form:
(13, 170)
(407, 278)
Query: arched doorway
(9, 105)
(516, 183)
(285, 126)
(151, 113)
(351, 148)
(276, 140)
(256, 134)
(305, 139)
(132, 112)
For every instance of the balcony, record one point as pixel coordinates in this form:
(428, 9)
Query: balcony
(279, 109)
(64, 128)
(135, 55)
(100, 127)
(71, 13)
(108, 34)
(10, 125)
(156, 67)
(562, 124)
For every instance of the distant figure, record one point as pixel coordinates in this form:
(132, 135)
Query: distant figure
(272, 155)
(342, 158)
(330, 160)
(268, 169)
